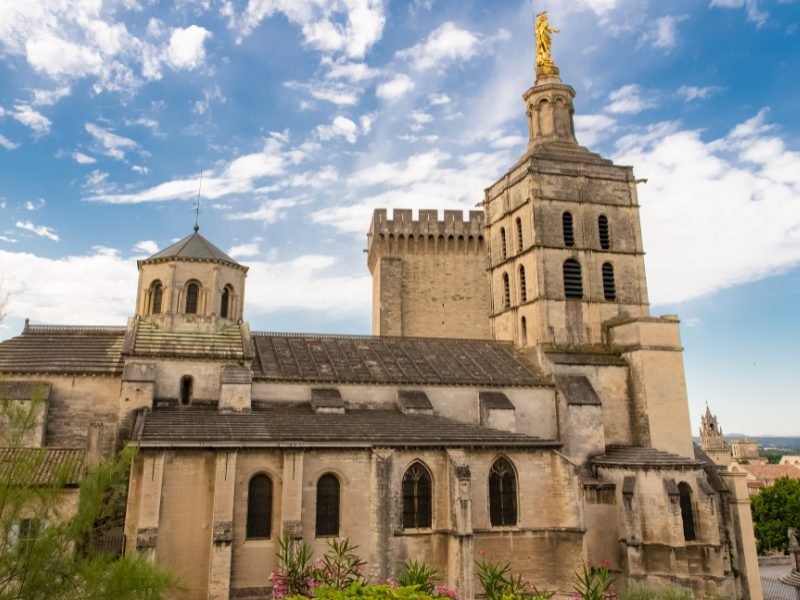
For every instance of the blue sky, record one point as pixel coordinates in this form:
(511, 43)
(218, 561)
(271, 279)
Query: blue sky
(304, 115)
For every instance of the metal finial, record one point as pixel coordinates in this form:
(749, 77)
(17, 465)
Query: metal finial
(197, 205)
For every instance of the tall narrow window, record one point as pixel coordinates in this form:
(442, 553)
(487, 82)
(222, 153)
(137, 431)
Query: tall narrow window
(523, 292)
(687, 516)
(225, 302)
(569, 232)
(502, 493)
(520, 239)
(609, 286)
(327, 506)
(192, 292)
(416, 497)
(506, 291)
(602, 229)
(156, 296)
(186, 390)
(259, 507)
(573, 283)
(503, 248)
(523, 331)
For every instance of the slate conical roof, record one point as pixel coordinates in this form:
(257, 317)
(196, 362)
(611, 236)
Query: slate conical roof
(192, 247)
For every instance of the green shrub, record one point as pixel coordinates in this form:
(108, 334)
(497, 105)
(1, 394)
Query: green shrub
(672, 592)
(368, 592)
(419, 574)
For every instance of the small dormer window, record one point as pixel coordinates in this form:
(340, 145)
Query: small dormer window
(192, 293)
(224, 306)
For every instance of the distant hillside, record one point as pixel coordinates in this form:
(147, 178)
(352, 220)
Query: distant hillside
(786, 444)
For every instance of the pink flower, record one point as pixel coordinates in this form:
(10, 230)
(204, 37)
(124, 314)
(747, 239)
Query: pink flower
(607, 563)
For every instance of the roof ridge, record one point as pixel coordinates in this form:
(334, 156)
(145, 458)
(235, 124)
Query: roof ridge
(87, 328)
(356, 336)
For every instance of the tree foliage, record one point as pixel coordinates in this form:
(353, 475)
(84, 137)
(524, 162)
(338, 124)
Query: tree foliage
(775, 509)
(49, 530)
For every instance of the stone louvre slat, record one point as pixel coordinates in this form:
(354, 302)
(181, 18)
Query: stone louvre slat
(151, 341)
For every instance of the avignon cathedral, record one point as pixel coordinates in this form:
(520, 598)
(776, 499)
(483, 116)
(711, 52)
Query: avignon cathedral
(516, 398)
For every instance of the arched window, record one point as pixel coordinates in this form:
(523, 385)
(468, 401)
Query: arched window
(523, 331)
(192, 292)
(687, 515)
(416, 497)
(502, 493)
(259, 507)
(156, 296)
(523, 292)
(520, 239)
(569, 232)
(602, 228)
(327, 506)
(573, 283)
(609, 287)
(186, 389)
(506, 291)
(503, 249)
(224, 304)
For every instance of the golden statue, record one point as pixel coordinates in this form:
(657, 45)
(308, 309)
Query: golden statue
(544, 41)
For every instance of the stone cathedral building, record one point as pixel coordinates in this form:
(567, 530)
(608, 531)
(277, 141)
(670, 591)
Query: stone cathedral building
(516, 398)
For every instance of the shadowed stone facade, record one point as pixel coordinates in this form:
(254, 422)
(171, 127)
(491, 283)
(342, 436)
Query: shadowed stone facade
(515, 370)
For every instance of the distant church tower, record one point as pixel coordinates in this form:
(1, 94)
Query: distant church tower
(712, 441)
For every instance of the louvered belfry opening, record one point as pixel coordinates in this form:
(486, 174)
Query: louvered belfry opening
(502, 493)
(506, 291)
(523, 292)
(416, 497)
(573, 282)
(503, 246)
(609, 286)
(327, 506)
(602, 229)
(569, 232)
(520, 239)
(259, 507)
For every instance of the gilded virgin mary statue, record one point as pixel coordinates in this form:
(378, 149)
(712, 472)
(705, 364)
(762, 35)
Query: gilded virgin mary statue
(544, 60)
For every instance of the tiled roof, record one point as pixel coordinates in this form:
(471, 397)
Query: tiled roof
(64, 349)
(152, 341)
(577, 390)
(42, 466)
(623, 456)
(771, 472)
(389, 360)
(299, 425)
(192, 247)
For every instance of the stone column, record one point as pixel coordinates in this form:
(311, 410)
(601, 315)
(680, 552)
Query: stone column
(172, 293)
(219, 570)
(149, 504)
(461, 546)
(742, 526)
(381, 515)
(292, 494)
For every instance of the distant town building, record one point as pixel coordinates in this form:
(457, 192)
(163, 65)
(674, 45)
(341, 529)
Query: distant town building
(746, 449)
(761, 475)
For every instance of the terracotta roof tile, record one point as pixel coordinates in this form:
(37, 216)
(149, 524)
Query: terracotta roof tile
(771, 472)
(42, 466)
(64, 349)
(390, 360)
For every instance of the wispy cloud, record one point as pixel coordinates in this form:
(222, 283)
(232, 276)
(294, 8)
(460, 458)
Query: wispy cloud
(83, 159)
(691, 92)
(629, 99)
(111, 144)
(7, 143)
(395, 88)
(40, 230)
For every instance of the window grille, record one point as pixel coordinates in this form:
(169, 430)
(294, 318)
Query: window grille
(523, 292)
(157, 297)
(503, 249)
(327, 506)
(609, 287)
(687, 515)
(416, 497)
(506, 291)
(259, 507)
(573, 283)
(569, 232)
(192, 291)
(223, 306)
(602, 227)
(520, 239)
(502, 493)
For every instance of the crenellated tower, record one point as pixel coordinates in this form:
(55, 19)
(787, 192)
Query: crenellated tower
(429, 275)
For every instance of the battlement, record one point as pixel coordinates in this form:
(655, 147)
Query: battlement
(428, 223)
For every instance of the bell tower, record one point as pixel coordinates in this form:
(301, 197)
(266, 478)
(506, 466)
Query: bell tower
(565, 245)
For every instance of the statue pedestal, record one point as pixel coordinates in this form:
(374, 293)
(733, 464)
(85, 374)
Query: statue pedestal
(547, 73)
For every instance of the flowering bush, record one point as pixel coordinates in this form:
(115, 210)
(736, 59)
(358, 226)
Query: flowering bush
(595, 583)
(340, 567)
(420, 574)
(295, 572)
(499, 583)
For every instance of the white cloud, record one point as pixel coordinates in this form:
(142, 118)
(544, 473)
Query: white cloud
(663, 31)
(629, 99)
(355, 72)
(395, 88)
(95, 178)
(754, 12)
(339, 127)
(31, 206)
(446, 43)
(148, 247)
(269, 211)
(438, 99)
(250, 249)
(715, 213)
(142, 170)
(83, 159)
(336, 93)
(31, 118)
(112, 145)
(40, 230)
(420, 119)
(50, 97)
(186, 48)
(351, 26)
(211, 96)
(691, 92)
(590, 129)
(7, 143)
